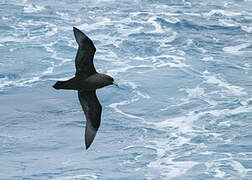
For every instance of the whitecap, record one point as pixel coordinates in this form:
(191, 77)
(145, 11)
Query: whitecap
(183, 124)
(5, 18)
(248, 29)
(236, 49)
(170, 169)
(59, 79)
(5, 82)
(68, 17)
(19, 83)
(172, 20)
(10, 39)
(175, 64)
(132, 85)
(124, 68)
(207, 58)
(48, 48)
(236, 90)
(192, 14)
(164, 163)
(221, 12)
(225, 123)
(195, 92)
(171, 38)
(216, 167)
(81, 176)
(145, 96)
(228, 23)
(31, 8)
(53, 31)
(49, 70)
(100, 22)
(157, 26)
(219, 173)
(115, 107)
(239, 168)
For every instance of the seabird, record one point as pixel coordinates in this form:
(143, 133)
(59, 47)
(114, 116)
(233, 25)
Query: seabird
(86, 81)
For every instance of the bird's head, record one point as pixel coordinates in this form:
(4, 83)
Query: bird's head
(110, 80)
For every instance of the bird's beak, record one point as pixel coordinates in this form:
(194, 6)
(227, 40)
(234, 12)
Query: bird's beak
(116, 84)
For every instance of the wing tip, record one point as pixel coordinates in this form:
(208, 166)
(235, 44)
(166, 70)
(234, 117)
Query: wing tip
(78, 34)
(87, 146)
(89, 134)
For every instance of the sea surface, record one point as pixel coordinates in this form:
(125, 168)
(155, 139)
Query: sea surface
(183, 110)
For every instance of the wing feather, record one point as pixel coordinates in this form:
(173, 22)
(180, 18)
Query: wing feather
(92, 110)
(85, 54)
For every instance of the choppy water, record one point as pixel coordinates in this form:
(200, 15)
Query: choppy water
(184, 107)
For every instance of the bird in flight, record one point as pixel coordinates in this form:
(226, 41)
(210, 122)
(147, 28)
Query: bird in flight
(86, 81)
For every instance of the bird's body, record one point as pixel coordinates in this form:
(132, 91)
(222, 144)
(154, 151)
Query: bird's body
(93, 82)
(86, 81)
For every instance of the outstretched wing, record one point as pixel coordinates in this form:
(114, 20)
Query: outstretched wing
(92, 110)
(85, 54)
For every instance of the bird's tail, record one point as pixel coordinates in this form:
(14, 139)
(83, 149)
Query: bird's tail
(60, 85)
(69, 84)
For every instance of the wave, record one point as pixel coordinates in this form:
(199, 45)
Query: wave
(236, 49)
(235, 90)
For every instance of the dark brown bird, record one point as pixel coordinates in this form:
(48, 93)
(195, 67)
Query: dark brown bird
(86, 81)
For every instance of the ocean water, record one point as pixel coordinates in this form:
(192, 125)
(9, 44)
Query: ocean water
(184, 107)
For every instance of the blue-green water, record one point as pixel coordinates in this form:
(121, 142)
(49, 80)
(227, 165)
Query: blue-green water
(183, 109)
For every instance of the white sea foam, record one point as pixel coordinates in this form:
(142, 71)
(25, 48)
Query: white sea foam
(223, 112)
(170, 169)
(4, 82)
(228, 23)
(157, 26)
(172, 20)
(136, 97)
(68, 17)
(164, 163)
(100, 22)
(208, 58)
(239, 167)
(49, 48)
(146, 96)
(122, 103)
(216, 167)
(10, 39)
(236, 49)
(53, 31)
(236, 90)
(81, 176)
(174, 63)
(192, 14)
(132, 85)
(5, 18)
(59, 79)
(49, 70)
(248, 29)
(168, 39)
(221, 12)
(124, 68)
(195, 92)
(31, 8)
(48, 29)
(183, 124)
(225, 123)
